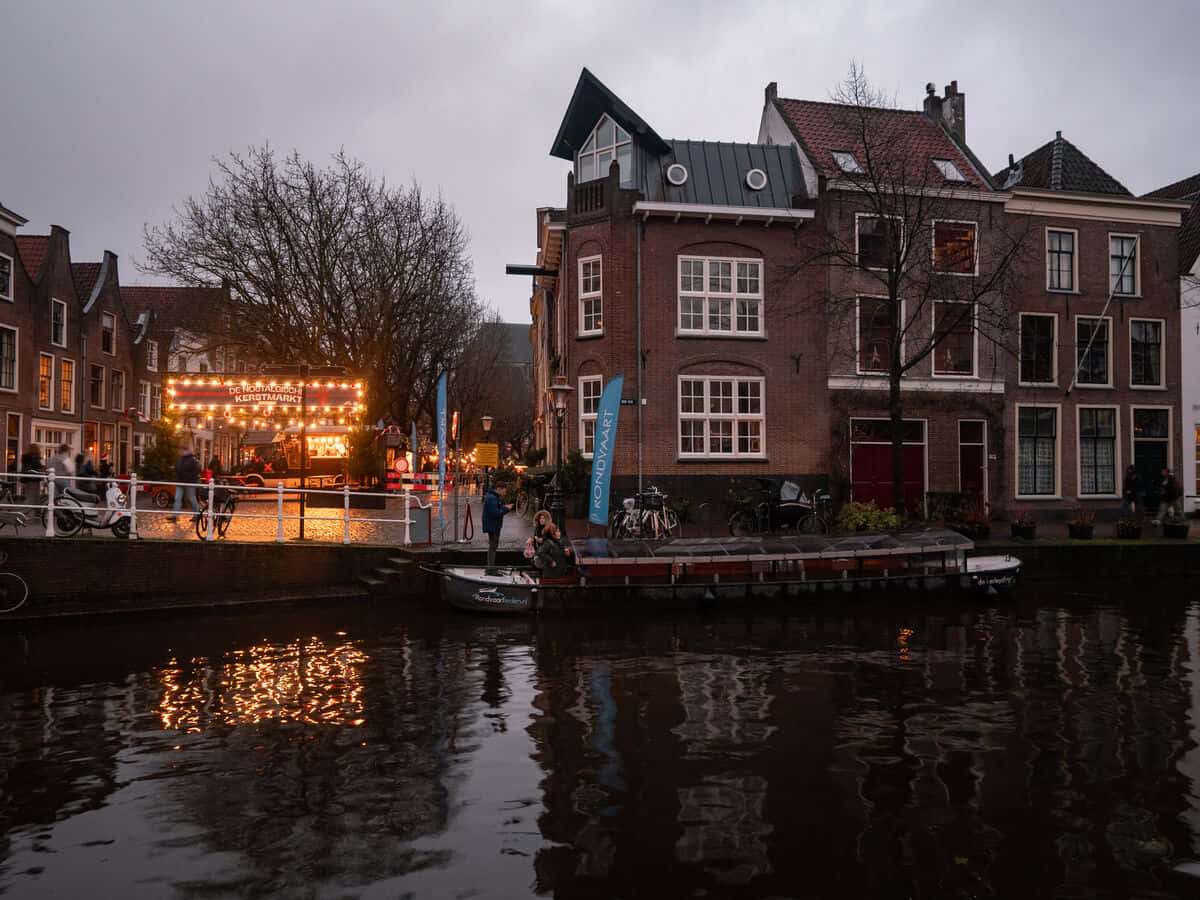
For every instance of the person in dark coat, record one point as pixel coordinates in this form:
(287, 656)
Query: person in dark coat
(187, 470)
(1169, 494)
(1133, 492)
(106, 469)
(85, 473)
(494, 511)
(550, 557)
(31, 464)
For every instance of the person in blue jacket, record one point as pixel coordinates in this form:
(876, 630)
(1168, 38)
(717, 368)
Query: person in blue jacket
(494, 511)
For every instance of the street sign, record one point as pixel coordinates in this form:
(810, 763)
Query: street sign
(401, 464)
(487, 454)
(628, 401)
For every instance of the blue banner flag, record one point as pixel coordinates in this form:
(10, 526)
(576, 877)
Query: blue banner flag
(602, 451)
(441, 438)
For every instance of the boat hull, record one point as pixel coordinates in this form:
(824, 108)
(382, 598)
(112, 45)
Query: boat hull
(484, 589)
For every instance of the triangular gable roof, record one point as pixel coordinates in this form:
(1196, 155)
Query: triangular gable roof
(821, 128)
(1060, 166)
(1189, 230)
(33, 248)
(85, 276)
(1184, 189)
(591, 100)
(196, 309)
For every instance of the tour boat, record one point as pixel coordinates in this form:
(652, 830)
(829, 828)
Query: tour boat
(733, 571)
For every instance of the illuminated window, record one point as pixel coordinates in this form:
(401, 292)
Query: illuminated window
(46, 381)
(954, 336)
(66, 385)
(954, 247)
(874, 335)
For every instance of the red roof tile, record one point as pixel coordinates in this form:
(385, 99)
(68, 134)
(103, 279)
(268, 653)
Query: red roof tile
(910, 139)
(194, 308)
(32, 248)
(1184, 189)
(1189, 230)
(84, 275)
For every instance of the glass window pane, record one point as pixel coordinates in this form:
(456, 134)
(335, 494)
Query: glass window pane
(720, 277)
(604, 134)
(603, 163)
(625, 162)
(720, 315)
(954, 247)
(587, 167)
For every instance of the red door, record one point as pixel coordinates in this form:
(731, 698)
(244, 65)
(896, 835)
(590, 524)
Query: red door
(871, 475)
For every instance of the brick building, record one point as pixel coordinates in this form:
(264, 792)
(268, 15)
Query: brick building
(708, 274)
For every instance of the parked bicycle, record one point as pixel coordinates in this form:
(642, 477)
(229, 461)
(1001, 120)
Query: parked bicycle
(644, 515)
(13, 589)
(782, 507)
(224, 506)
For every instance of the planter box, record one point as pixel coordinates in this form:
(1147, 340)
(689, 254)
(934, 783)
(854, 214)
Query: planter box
(1028, 532)
(1177, 530)
(1081, 532)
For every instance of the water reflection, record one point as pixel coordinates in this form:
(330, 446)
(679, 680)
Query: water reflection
(1041, 748)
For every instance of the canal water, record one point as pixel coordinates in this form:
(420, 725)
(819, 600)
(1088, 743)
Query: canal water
(1038, 746)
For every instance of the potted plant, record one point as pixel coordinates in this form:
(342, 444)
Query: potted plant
(975, 519)
(1024, 526)
(1175, 526)
(1128, 528)
(1082, 525)
(859, 516)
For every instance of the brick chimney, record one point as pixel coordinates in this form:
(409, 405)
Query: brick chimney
(950, 110)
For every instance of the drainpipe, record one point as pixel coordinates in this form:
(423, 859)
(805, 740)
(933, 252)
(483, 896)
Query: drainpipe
(639, 355)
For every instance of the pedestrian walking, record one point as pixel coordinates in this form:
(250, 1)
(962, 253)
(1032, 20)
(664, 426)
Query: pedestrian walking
(1169, 494)
(187, 470)
(1133, 497)
(106, 469)
(85, 472)
(62, 467)
(494, 511)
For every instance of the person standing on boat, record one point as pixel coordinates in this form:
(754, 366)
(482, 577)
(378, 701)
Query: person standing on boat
(494, 511)
(550, 557)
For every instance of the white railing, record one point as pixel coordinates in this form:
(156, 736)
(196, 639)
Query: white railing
(139, 502)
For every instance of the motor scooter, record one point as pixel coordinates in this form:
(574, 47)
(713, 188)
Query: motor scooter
(77, 509)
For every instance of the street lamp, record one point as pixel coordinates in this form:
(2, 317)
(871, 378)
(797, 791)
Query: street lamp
(487, 429)
(560, 394)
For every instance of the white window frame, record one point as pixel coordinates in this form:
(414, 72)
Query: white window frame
(1058, 441)
(1118, 469)
(124, 388)
(103, 385)
(974, 341)
(933, 247)
(155, 401)
(74, 383)
(144, 398)
(152, 356)
(1074, 260)
(847, 162)
(67, 433)
(949, 170)
(105, 313)
(586, 297)
(1137, 263)
(857, 252)
(53, 380)
(858, 333)
(707, 416)
(586, 418)
(1053, 351)
(1075, 374)
(1162, 355)
(16, 385)
(6, 290)
(596, 150)
(1169, 439)
(58, 304)
(706, 296)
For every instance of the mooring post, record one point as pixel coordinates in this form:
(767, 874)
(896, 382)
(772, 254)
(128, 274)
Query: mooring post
(211, 494)
(133, 489)
(49, 506)
(346, 513)
(279, 533)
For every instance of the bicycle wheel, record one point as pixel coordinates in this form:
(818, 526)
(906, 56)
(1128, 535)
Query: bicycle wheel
(13, 592)
(162, 498)
(670, 522)
(201, 520)
(68, 517)
(225, 515)
(742, 523)
(812, 523)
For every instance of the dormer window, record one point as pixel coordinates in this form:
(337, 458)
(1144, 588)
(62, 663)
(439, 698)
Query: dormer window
(949, 170)
(847, 162)
(608, 141)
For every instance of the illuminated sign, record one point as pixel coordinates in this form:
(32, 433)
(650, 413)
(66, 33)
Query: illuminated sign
(231, 395)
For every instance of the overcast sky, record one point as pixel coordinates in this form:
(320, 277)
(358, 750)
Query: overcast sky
(115, 108)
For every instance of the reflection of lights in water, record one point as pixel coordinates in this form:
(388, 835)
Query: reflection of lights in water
(902, 641)
(305, 681)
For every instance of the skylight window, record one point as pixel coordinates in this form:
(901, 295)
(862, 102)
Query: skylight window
(949, 170)
(847, 162)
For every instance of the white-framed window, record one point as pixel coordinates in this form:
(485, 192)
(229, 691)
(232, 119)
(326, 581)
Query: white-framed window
(155, 401)
(949, 170)
(58, 323)
(116, 389)
(49, 436)
(720, 296)
(1093, 351)
(152, 356)
(722, 417)
(1039, 349)
(66, 385)
(6, 277)
(955, 335)
(954, 247)
(590, 388)
(1037, 450)
(847, 162)
(8, 358)
(45, 381)
(96, 386)
(1146, 353)
(1062, 260)
(877, 240)
(608, 141)
(873, 334)
(144, 398)
(1097, 462)
(591, 295)
(1124, 275)
(1150, 436)
(108, 333)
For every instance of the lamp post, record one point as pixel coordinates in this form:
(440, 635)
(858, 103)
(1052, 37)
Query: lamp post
(560, 394)
(487, 429)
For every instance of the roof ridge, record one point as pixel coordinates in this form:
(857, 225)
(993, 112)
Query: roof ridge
(1056, 163)
(896, 109)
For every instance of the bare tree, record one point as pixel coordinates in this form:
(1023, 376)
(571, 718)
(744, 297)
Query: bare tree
(916, 268)
(331, 267)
